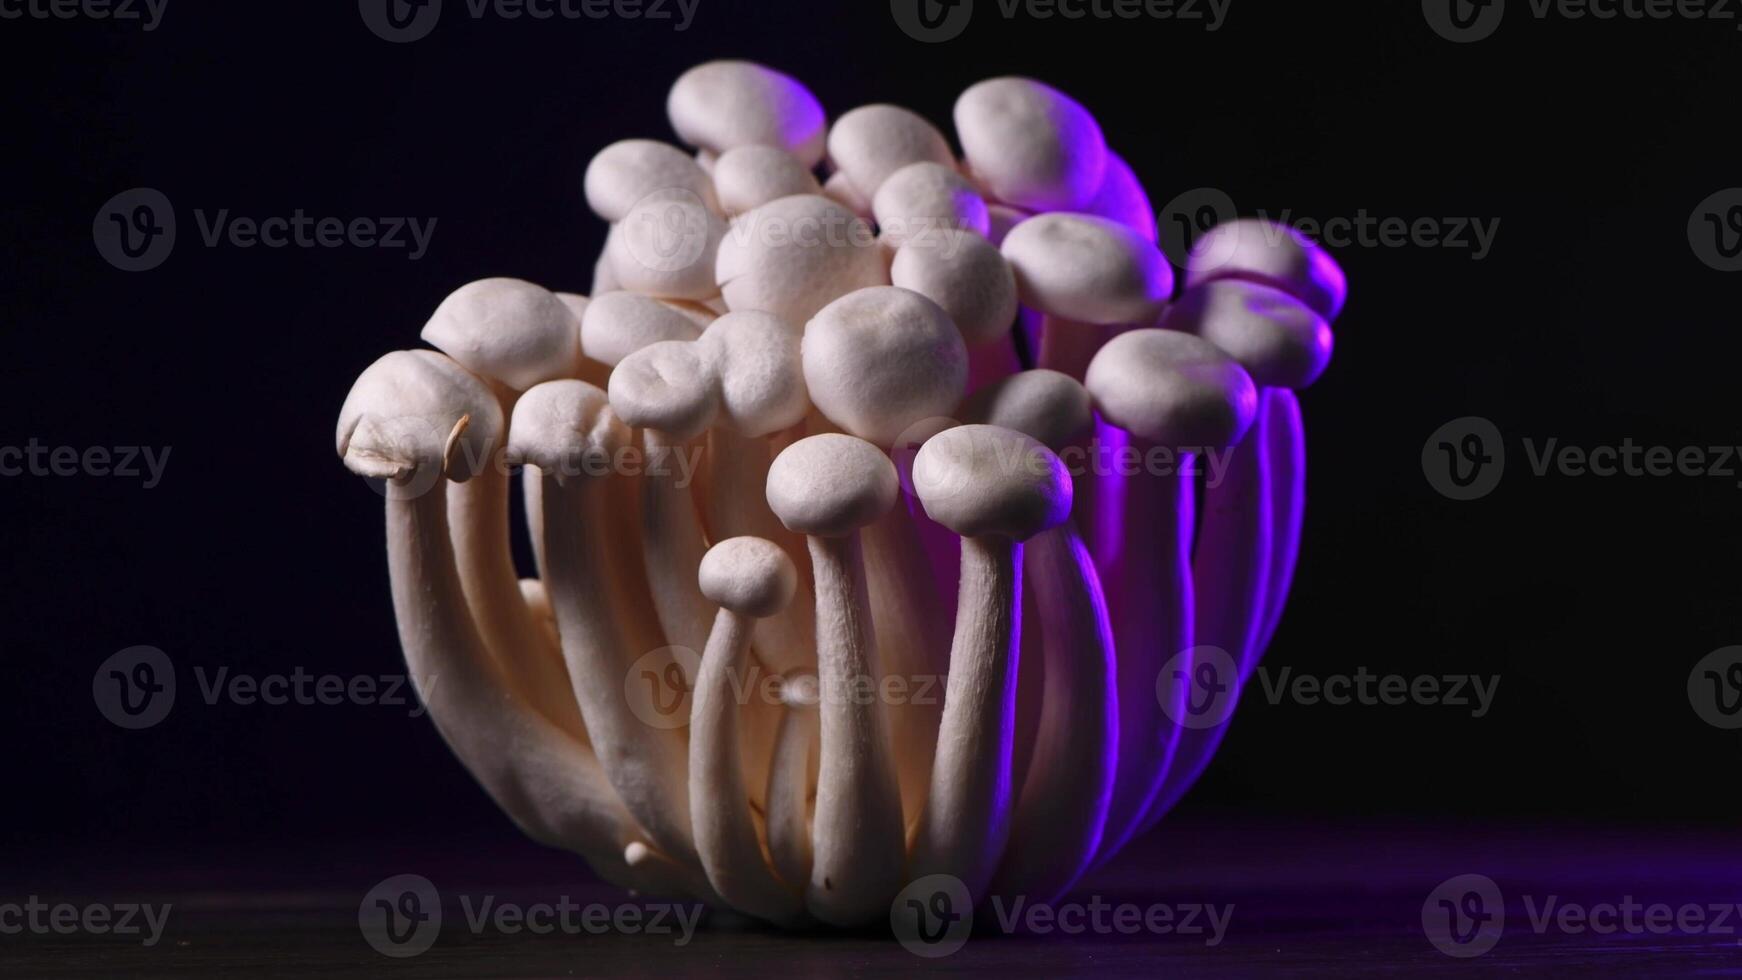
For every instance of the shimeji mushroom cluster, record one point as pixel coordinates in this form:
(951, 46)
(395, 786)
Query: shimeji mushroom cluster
(918, 377)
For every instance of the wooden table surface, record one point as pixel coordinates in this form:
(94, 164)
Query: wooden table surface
(1308, 899)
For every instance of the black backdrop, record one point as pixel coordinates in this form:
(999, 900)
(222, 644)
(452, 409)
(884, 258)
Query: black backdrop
(1592, 320)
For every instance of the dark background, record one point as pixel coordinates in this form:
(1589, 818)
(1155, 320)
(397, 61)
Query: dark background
(1592, 320)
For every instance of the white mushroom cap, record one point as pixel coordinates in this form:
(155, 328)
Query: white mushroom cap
(668, 387)
(1278, 339)
(666, 246)
(761, 370)
(616, 325)
(1048, 406)
(567, 429)
(841, 190)
(1030, 144)
(1122, 199)
(922, 199)
(793, 256)
(1273, 254)
(983, 480)
(627, 171)
(1172, 388)
(831, 485)
(507, 329)
(880, 359)
(1088, 269)
(402, 420)
(967, 276)
(750, 576)
(725, 104)
(872, 142)
(748, 177)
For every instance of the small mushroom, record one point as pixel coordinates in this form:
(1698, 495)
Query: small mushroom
(923, 200)
(1062, 801)
(1030, 144)
(878, 360)
(828, 487)
(1174, 392)
(721, 105)
(1090, 269)
(1273, 254)
(619, 324)
(750, 579)
(1249, 535)
(514, 334)
(625, 172)
(968, 277)
(568, 430)
(670, 392)
(666, 246)
(748, 177)
(872, 142)
(405, 421)
(996, 488)
(794, 256)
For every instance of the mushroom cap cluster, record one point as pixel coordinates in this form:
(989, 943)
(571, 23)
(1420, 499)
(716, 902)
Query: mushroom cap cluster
(861, 337)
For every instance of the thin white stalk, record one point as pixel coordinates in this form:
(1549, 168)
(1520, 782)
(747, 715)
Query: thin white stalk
(1284, 439)
(726, 837)
(859, 840)
(967, 814)
(1062, 808)
(792, 785)
(673, 542)
(645, 763)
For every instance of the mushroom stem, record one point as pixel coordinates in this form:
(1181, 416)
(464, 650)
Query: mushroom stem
(792, 780)
(912, 648)
(859, 838)
(548, 783)
(1150, 597)
(1062, 807)
(646, 764)
(967, 813)
(1284, 440)
(478, 513)
(726, 837)
(673, 541)
(736, 506)
(1232, 570)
